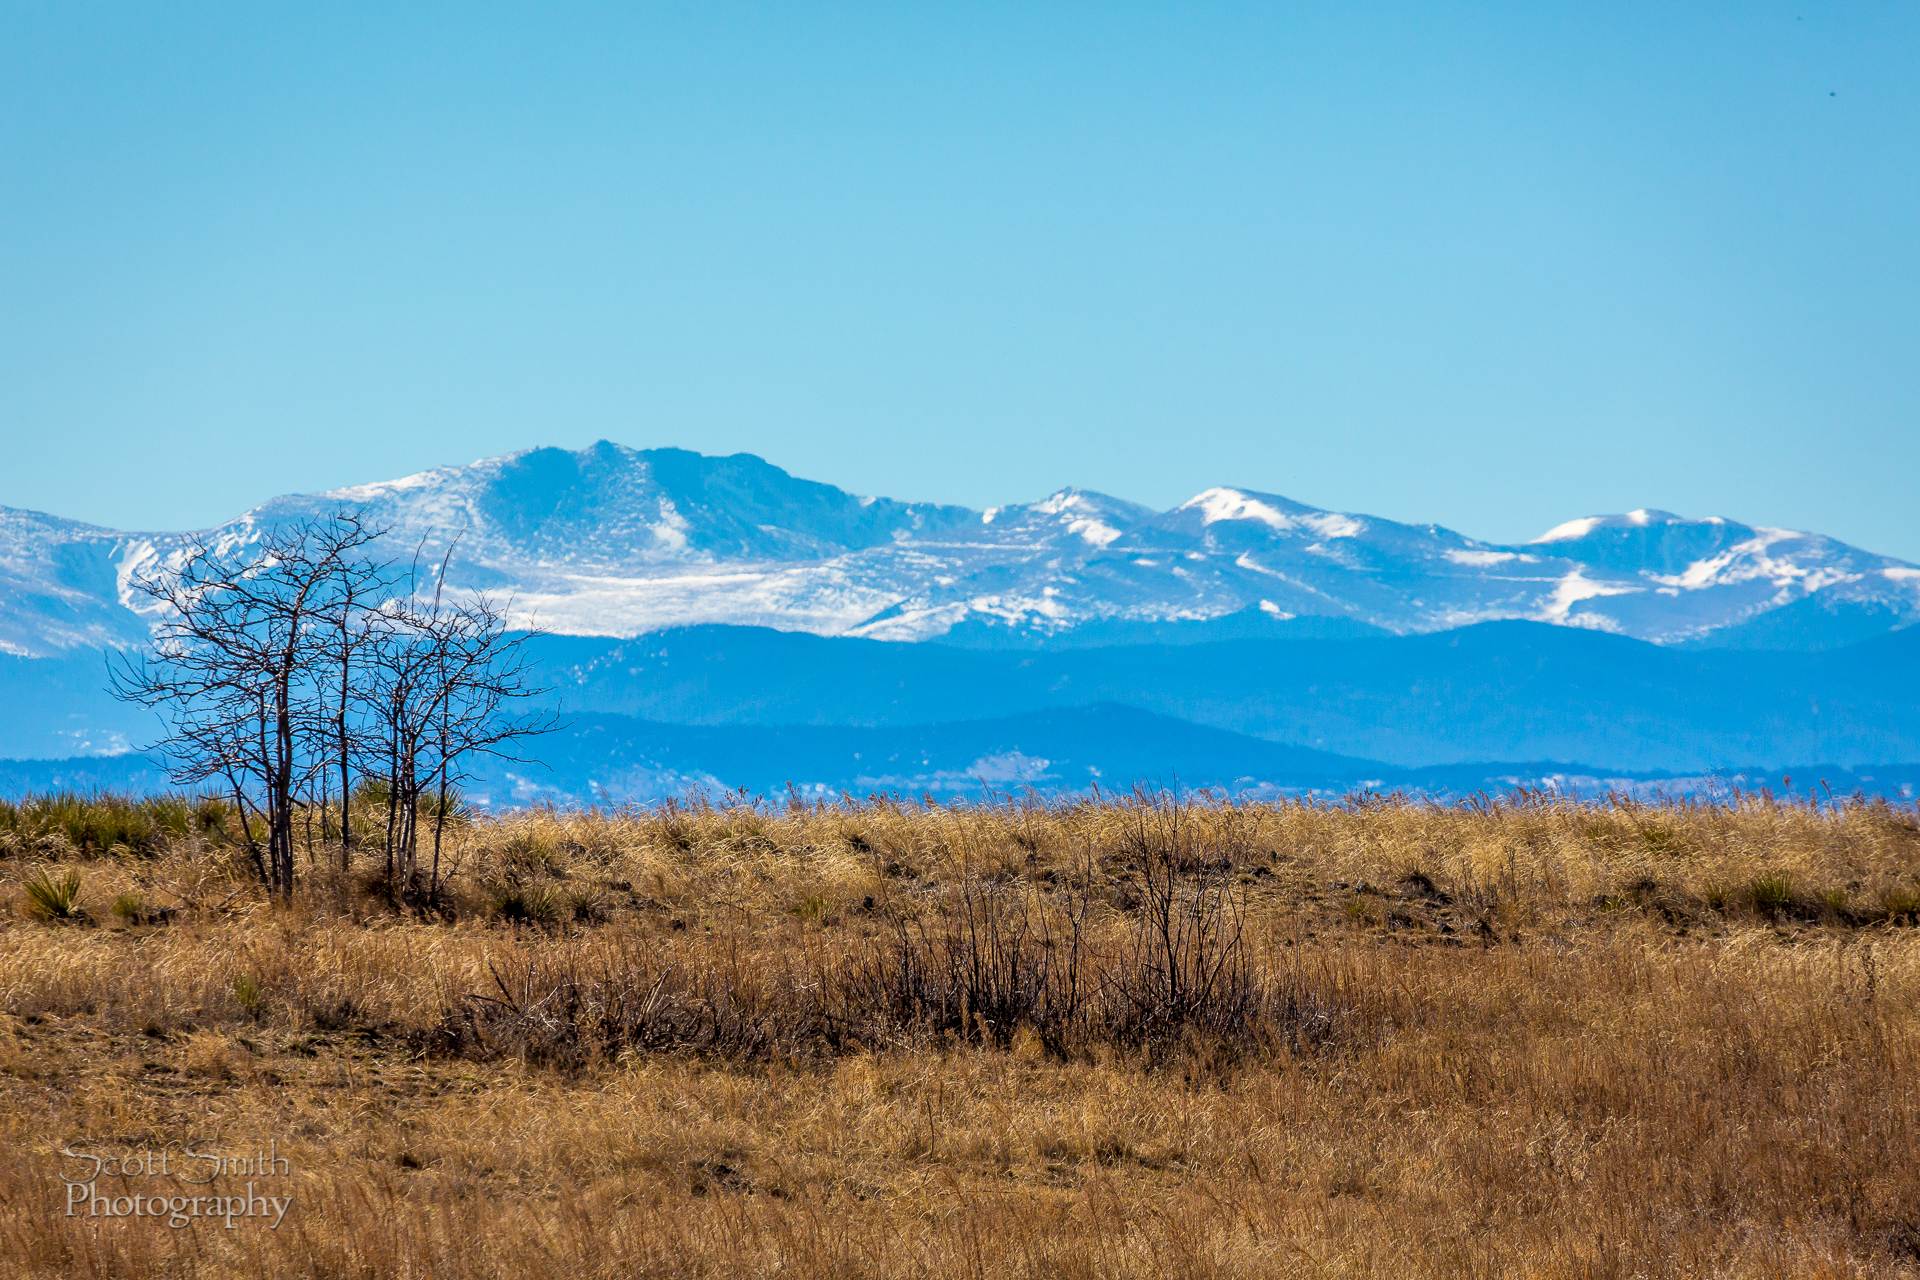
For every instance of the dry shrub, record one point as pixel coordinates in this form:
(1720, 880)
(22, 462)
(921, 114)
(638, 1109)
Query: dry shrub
(629, 1000)
(988, 963)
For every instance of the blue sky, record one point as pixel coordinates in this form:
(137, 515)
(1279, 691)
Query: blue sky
(1491, 265)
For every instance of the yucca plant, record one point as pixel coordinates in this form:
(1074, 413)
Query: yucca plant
(534, 904)
(587, 905)
(55, 897)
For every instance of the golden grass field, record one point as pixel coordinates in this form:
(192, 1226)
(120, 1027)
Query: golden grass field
(1101, 1039)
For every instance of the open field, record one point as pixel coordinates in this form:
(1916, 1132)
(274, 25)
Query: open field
(1113, 1039)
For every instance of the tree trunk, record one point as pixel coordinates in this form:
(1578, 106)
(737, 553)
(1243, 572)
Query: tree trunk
(246, 832)
(340, 724)
(439, 825)
(393, 801)
(282, 787)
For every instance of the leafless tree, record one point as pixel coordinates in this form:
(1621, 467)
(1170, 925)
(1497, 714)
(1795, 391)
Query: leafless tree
(481, 690)
(451, 686)
(283, 662)
(239, 649)
(348, 608)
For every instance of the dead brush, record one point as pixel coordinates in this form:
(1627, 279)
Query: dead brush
(1185, 969)
(991, 960)
(989, 964)
(1176, 980)
(630, 1000)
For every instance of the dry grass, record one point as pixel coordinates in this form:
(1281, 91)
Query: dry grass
(1532, 1039)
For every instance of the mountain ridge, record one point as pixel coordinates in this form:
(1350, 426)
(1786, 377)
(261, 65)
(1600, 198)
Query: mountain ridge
(616, 541)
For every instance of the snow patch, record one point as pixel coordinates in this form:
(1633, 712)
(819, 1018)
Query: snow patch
(1096, 532)
(1486, 559)
(671, 531)
(1574, 588)
(1752, 561)
(1330, 524)
(380, 488)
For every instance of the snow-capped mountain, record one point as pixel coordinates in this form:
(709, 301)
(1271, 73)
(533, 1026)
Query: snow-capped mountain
(616, 541)
(60, 586)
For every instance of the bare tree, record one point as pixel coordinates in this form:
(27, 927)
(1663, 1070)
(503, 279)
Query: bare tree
(447, 684)
(284, 662)
(481, 688)
(348, 606)
(235, 669)
(452, 686)
(396, 672)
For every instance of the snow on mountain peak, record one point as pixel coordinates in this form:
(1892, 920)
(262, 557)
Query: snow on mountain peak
(1088, 516)
(611, 540)
(1638, 518)
(1571, 529)
(1082, 515)
(1219, 505)
(382, 488)
(1061, 500)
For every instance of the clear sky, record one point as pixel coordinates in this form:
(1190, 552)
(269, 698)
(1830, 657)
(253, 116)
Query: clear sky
(1492, 265)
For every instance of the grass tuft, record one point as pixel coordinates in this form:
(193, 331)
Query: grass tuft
(55, 896)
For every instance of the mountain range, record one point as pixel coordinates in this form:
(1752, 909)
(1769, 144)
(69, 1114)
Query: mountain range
(701, 601)
(614, 541)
